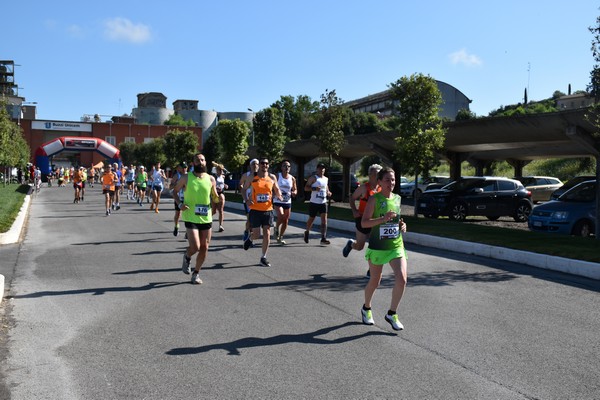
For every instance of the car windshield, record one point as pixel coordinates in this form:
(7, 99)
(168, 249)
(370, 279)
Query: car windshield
(583, 193)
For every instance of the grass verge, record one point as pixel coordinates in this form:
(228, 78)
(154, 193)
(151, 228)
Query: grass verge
(11, 200)
(586, 249)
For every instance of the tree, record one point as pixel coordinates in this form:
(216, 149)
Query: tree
(269, 132)
(233, 140)
(212, 150)
(421, 134)
(179, 146)
(330, 132)
(150, 153)
(14, 150)
(298, 115)
(129, 151)
(465, 114)
(594, 114)
(177, 120)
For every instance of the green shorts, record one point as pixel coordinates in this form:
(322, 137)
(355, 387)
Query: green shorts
(381, 257)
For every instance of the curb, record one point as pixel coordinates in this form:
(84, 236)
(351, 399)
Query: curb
(574, 267)
(14, 233)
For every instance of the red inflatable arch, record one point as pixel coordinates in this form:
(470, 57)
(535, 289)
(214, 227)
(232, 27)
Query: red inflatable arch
(78, 143)
(47, 150)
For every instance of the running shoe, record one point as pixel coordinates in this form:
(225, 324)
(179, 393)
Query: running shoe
(367, 316)
(185, 266)
(81, 198)
(280, 240)
(247, 244)
(348, 248)
(264, 262)
(221, 229)
(156, 210)
(305, 236)
(175, 231)
(107, 213)
(118, 207)
(394, 321)
(141, 205)
(113, 206)
(325, 241)
(196, 279)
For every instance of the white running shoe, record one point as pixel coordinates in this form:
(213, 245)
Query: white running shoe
(394, 322)
(367, 317)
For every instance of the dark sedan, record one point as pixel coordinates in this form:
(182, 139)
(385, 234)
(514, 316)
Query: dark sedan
(478, 196)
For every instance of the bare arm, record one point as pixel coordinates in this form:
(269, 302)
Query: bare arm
(179, 186)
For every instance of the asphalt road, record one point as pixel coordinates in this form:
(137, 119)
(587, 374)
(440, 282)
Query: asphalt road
(97, 308)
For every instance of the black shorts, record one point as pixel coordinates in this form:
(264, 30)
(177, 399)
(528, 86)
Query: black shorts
(111, 192)
(285, 206)
(359, 227)
(260, 218)
(314, 209)
(198, 227)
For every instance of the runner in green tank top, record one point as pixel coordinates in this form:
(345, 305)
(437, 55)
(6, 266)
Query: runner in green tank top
(382, 214)
(199, 190)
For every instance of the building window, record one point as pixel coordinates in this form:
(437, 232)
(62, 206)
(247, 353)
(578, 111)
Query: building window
(148, 139)
(111, 139)
(129, 139)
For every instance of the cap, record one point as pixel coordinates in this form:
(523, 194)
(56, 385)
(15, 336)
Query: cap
(321, 165)
(254, 161)
(183, 164)
(141, 167)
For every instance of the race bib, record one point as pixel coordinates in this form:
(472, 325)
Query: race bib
(389, 231)
(322, 194)
(262, 198)
(107, 187)
(201, 210)
(285, 196)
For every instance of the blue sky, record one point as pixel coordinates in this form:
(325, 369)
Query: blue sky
(77, 58)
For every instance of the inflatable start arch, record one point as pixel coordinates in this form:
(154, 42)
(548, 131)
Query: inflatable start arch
(77, 143)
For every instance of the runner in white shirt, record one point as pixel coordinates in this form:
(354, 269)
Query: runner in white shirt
(158, 182)
(221, 186)
(283, 207)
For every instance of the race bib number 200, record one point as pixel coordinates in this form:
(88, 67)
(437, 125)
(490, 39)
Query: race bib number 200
(389, 231)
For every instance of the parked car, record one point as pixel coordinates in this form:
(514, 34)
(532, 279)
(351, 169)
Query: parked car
(571, 183)
(573, 213)
(478, 196)
(408, 189)
(541, 187)
(336, 185)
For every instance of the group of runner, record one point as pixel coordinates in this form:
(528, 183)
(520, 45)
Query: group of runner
(377, 219)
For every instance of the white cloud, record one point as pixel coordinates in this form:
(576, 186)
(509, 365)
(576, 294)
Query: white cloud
(462, 57)
(122, 29)
(75, 31)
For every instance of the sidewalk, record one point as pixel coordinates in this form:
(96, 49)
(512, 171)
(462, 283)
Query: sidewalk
(575, 267)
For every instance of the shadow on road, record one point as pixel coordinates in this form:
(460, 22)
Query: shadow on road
(234, 348)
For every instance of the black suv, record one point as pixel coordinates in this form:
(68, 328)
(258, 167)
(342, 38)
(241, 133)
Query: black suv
(482, 196)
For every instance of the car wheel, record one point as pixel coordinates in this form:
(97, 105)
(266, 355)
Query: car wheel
(522, 212)
(582, 228)
(458, 211)
(493, 217)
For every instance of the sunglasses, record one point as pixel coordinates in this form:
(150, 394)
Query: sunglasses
(286, 166)
(264, 163)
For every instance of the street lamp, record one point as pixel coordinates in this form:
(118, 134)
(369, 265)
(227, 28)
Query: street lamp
(252, 111)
